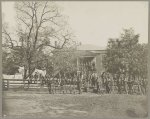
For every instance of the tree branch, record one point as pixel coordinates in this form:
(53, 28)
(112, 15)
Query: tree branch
(24, 22)
(7, 34)
(36, 36)
(23, 11)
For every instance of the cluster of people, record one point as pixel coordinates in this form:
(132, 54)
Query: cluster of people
(92, 82)
(88, 81)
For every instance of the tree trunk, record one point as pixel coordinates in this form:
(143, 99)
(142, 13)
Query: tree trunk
(29, 72)
(24, 77)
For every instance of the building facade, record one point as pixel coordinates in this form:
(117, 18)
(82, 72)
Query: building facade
(90, 58)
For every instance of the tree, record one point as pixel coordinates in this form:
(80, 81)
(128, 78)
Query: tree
(65, 60)
(9, 64)
(126, 55)
(40, 25)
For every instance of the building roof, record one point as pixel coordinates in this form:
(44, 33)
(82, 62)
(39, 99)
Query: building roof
(90, 47)
(85, 53)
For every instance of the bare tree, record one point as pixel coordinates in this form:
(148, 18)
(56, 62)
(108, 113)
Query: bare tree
(40, 25)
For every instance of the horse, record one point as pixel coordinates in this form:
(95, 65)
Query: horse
(36, 74)
(39, 74)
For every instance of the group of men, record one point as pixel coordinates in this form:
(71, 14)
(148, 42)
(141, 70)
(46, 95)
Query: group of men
(89, 81)
(104, 83)
(119, 83)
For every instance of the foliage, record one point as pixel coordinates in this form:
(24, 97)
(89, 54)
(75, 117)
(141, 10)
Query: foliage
(64, 60)
(126, 55)
(9, 64)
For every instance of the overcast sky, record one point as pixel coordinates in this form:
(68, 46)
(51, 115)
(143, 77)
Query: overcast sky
(94, 22)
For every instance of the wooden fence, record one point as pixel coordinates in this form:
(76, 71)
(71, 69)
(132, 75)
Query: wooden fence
(19, 83)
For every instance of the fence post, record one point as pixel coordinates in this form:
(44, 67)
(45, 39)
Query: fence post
(113, 86)
(7, 84)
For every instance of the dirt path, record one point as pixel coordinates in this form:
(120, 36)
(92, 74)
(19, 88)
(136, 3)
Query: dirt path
(22, 103)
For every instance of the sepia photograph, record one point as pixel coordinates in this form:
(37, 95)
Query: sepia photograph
(75, 59)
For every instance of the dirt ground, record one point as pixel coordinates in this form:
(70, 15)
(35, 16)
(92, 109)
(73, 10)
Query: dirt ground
(59, 105)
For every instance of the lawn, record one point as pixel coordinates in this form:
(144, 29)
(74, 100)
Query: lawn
(59, 105)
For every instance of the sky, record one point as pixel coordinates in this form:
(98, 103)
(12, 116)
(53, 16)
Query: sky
(94, 22)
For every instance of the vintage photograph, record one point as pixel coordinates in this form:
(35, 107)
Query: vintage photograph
(75, 59)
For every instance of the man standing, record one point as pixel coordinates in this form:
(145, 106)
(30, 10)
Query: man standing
(98, 82)
(79, 82)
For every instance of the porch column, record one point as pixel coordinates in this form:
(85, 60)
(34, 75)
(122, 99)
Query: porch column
(77, 63)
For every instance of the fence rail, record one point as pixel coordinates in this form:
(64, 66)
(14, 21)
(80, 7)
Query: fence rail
(18, 83)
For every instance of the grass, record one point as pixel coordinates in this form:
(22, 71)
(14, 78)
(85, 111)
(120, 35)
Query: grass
(59, 105)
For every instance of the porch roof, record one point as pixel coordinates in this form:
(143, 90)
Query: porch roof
(89, 47)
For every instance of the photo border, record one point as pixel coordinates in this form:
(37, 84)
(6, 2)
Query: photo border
(68, 117)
